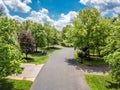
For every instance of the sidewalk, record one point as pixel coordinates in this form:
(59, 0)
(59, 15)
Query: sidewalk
(30, 72)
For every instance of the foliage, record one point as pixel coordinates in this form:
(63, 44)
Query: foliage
(9, 48)
(89, 32)
(10, 60)
(25, 25)
(51, 34)
(1, 12)
(94, 35)
(111, 50)
(26, 42)
(65, 37)
(37, 31)
(8, 31)
(114, 62)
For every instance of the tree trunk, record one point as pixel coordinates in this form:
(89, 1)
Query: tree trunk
(98, 50)
(26, 54)
(36, 48)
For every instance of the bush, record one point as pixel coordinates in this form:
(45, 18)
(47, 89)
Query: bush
(114, 62)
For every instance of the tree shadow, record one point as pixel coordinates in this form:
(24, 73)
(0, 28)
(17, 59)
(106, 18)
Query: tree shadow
(94, 68)
(54, 48)
(112, 85)
(88, 69)
(6, 85)
(40, 53)
(71, 61)
(28, 58)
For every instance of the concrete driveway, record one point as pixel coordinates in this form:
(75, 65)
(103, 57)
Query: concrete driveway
(60, 73)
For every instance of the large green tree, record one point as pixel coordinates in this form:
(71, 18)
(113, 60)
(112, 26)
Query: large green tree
(51, 34)
(38, 32)
(65, 36)
(10, 54)
(89, 31)
(111, 50)
(25, 25)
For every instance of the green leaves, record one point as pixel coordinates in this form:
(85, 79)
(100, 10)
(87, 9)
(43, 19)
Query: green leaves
(10, 55)
(114, 62)
(38, 32)
(96, 35)
(9, 60)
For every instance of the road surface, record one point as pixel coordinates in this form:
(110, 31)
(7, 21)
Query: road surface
(60, 73)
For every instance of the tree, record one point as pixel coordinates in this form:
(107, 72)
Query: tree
(26, 42)
(51, 34)
(9, 60)
(111, 50)
(66, 36)
(26, 25)
(81, 33)
(10, 54)
(114, 62)
(1, 13)
(101, 31)
(54, 36)
(39, 35)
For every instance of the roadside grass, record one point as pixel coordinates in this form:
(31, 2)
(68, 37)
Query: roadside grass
(35, 59)
(101, 82)
(38, 57)
(51, 49)
(93, 61)
(10, 84)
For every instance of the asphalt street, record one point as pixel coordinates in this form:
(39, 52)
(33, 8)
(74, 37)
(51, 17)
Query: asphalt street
(60, 73)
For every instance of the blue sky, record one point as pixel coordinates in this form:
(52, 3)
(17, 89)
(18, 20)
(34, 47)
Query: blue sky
(55, 7)
(58, 13)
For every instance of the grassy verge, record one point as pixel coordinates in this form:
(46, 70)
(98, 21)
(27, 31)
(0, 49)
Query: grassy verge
(10, 84)
(101, 82)
(38, 58)
(51, 49)
(35, 59)
(93, 61)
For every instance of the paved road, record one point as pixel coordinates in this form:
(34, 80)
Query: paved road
(60, 73)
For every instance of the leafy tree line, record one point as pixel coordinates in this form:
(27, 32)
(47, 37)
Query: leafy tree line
(22, 37)
(34, 35)
(93, 35)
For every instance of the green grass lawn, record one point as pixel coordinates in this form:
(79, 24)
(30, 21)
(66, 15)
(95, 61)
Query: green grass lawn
(10, 84)
(35, 59)
(101, 82)
(94, 61)
(51, 49)
(40, 59)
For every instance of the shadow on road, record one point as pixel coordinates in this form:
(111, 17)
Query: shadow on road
(71, 61)
(100, 69)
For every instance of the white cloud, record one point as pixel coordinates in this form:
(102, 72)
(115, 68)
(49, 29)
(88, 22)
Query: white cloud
(4, 8)
(20, 19)
(65, 20)
(106, 7)
(42, 16)
(27, 1)
(18, 5)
